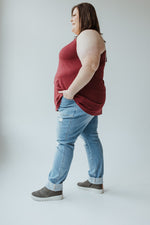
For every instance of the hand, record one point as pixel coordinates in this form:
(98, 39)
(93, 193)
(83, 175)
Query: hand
(66, 94)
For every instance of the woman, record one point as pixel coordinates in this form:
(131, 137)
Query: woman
(79, 95)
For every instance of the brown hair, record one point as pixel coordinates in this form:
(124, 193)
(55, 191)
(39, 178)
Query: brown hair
(87, 17)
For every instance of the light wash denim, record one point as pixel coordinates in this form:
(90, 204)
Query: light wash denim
(72, 121)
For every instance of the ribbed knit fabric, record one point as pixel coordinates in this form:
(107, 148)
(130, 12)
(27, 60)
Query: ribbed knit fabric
(91, 97)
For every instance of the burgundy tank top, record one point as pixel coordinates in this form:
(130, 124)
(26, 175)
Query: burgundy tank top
(91, 97)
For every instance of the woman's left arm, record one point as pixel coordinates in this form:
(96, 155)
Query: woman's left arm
(89, 50)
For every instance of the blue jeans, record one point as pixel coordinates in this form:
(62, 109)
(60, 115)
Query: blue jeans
(72, 121)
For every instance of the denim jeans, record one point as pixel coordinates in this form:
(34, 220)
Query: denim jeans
(72, 121)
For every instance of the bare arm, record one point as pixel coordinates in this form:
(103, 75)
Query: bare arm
(89, 49)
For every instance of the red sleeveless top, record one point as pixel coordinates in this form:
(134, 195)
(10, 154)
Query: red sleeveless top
(91, 97)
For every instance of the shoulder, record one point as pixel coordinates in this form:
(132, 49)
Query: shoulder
(89, 33)
(90, 39)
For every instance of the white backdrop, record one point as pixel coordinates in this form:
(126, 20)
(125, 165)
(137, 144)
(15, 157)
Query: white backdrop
(32, 34)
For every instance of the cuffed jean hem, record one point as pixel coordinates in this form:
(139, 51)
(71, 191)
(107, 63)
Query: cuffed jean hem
(54, 187)
(95, 180)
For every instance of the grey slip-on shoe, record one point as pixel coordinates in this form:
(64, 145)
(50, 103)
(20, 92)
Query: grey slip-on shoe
(45, 194)
(86, 185)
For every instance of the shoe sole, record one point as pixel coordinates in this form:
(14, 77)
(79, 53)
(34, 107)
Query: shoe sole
(59, 197)
(99, 191)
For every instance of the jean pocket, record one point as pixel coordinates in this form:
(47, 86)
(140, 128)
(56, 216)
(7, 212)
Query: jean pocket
(67, 99)
(67, 107)
(66, 102)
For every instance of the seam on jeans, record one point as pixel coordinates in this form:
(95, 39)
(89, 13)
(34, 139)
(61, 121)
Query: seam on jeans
(75, 109)
(65, 139)
(89, 147)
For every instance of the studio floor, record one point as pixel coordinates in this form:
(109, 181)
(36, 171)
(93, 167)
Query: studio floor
(123, 202)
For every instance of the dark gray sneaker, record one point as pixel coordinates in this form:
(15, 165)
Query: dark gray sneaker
(86, 185)
(45, 194)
